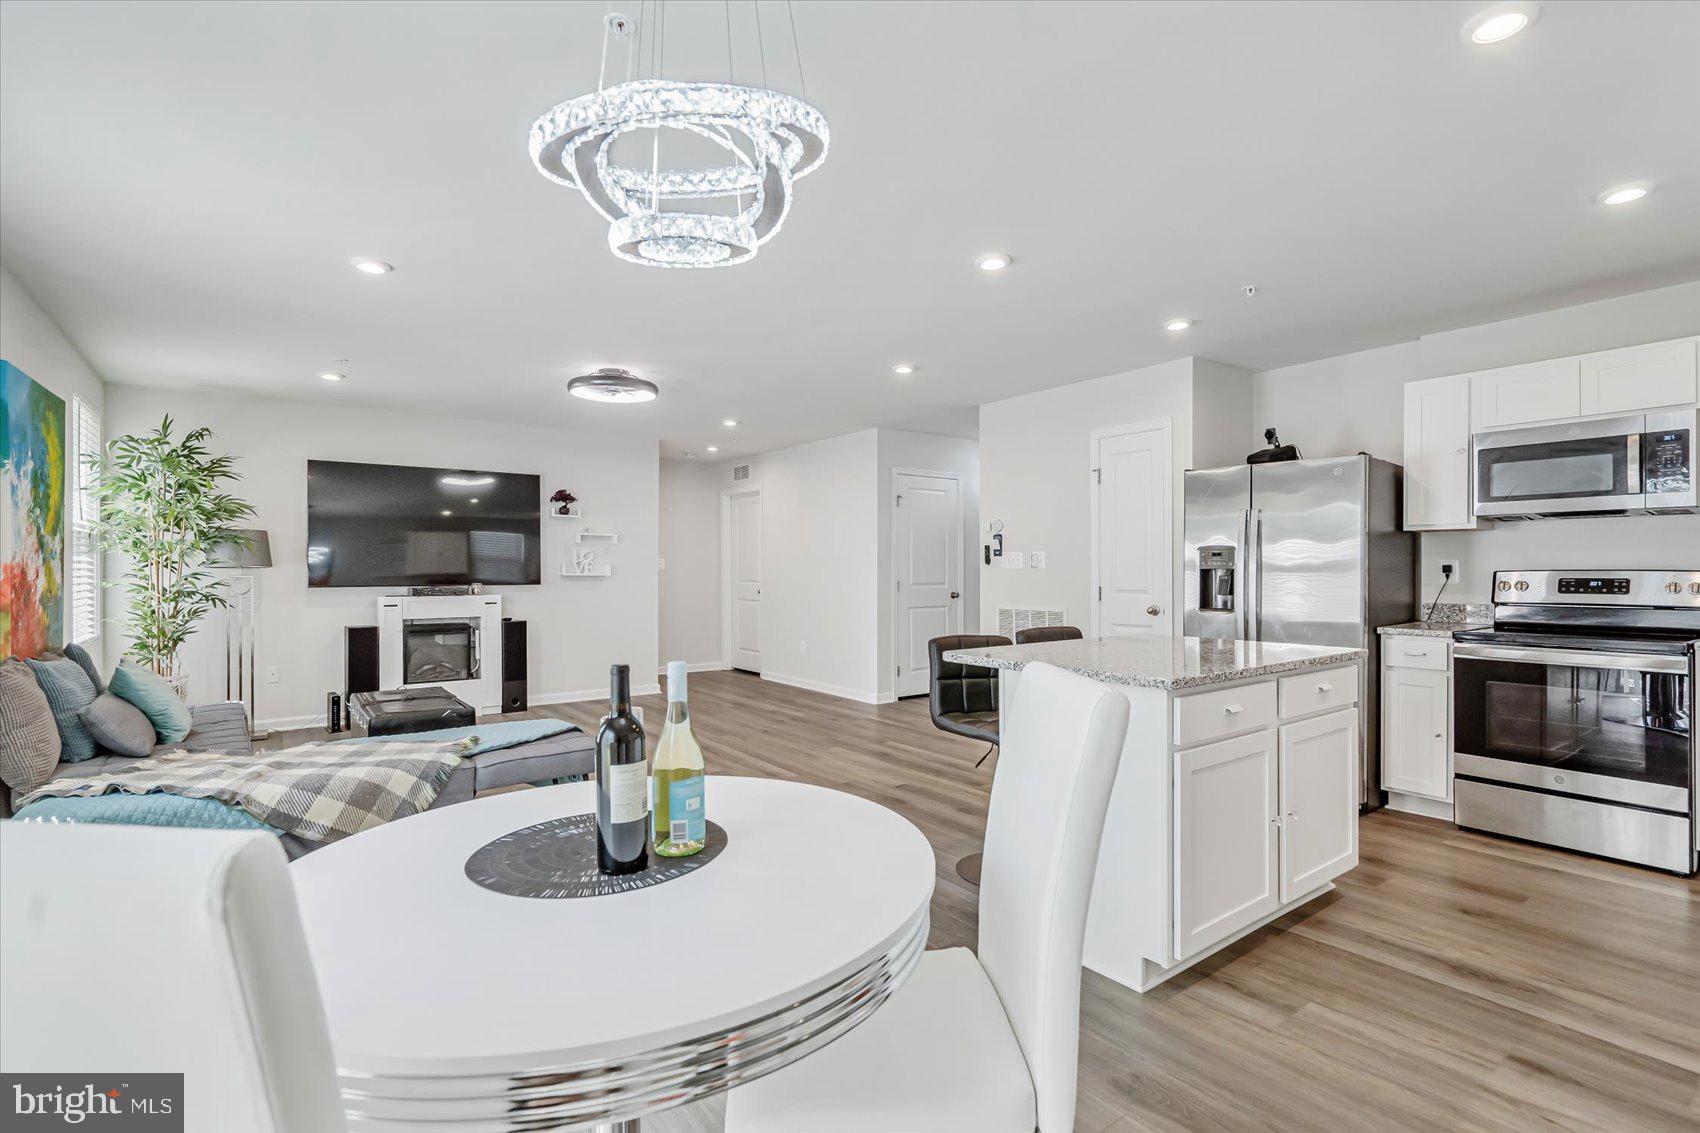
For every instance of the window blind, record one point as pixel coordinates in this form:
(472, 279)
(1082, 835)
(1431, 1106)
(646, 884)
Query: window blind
(84, 573)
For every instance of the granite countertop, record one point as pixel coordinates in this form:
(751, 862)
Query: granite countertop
(1161, 662)
(1443, 619)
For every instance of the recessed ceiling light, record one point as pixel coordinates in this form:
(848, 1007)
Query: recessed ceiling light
(467, 481)
(1500, 22)
(332, 376)
(446, 511)
(1177, 324)
(730, 422)
(993, 261)
(903, 368)
(473, 500)
(612, 384)
(373, 267)
(1623, 194)
(713, 448)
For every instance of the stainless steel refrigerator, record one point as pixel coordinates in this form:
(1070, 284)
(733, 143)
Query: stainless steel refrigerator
(1305, 551)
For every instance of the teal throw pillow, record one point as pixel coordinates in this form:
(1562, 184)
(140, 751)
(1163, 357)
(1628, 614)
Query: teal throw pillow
(68, 691)
(149, 691)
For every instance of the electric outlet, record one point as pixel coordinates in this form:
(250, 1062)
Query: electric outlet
(1014, 560)
(661, 564)
(1036, 560)
(802, 647)
(271, 674)
(1449, 567)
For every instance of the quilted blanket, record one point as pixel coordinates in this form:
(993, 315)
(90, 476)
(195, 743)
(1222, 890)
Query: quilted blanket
(319, 792)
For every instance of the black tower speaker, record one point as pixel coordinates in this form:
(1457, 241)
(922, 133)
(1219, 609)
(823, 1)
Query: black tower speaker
(360, 661)
(514, 695)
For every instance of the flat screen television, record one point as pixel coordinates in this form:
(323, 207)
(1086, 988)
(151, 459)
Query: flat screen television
(390, 525)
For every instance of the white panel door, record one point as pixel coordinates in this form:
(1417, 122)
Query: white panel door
(745, 581)
(1227, 868)
(927, 570)
(1416, 749)
(1639, 377)
(1133, 537)
(1319, 801)
(1437, 453)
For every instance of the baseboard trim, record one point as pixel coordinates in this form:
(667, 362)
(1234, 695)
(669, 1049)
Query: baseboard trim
(857, 694)
(317, 720)
(695, 667)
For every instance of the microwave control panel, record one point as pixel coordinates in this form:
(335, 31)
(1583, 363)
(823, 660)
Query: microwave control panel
(1665, 462)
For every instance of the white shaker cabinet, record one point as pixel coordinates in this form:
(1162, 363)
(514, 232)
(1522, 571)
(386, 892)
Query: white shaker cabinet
(1437, 454)
(1526, 394)
(1319, 796)
(1416, 723)
(1639, 377)
(1227, 854)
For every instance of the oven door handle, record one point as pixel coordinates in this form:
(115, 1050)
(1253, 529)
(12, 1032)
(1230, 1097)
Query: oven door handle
(1638, 662)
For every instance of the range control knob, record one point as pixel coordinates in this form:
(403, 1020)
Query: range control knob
(1504, 584)
(1673, 587)
(1694, 587)
(1522, 584)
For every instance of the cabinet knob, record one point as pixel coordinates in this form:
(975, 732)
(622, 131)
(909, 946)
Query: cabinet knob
(1324, 687)
(1440, 735)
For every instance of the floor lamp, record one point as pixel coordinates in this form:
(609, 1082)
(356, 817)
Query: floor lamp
(246, 550)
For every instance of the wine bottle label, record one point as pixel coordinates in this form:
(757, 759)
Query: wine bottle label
(628, 792)
(689, 820)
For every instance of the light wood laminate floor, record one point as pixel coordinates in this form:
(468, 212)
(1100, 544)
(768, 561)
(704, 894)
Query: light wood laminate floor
(1452, 981)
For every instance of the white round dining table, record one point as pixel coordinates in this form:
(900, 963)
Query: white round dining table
(457, 1008)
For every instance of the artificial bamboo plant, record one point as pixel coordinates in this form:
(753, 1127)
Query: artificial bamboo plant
(163, 505)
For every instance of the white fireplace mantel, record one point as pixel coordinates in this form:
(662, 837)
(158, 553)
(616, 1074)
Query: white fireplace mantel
(396, 610)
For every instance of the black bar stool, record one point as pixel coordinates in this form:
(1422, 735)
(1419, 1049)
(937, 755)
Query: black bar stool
(963, 700)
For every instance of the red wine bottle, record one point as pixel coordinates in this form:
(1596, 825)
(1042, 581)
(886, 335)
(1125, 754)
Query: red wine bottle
(622, 783)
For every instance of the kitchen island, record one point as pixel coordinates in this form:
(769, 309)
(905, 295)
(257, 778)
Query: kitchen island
(1237, 795)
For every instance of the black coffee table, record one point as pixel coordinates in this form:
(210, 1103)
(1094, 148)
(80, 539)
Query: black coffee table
(398, 712)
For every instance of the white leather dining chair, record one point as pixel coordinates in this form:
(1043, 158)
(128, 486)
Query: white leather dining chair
(131, 949)
(987, 1044)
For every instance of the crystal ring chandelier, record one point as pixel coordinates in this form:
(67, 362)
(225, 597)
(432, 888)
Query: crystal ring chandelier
(702, 216)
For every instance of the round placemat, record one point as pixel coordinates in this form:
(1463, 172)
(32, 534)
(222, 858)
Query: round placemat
(558, 859)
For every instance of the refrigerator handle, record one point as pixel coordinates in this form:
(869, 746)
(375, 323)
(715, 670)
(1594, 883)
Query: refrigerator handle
(1242, 613)
(1256, 589)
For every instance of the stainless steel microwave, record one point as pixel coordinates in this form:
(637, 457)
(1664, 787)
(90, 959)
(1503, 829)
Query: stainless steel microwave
(1616, 466)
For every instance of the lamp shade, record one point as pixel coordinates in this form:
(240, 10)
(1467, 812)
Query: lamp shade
(248, 547)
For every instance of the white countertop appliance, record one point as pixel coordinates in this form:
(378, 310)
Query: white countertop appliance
(1573, 717)
(1305, 552)
(1640, 465)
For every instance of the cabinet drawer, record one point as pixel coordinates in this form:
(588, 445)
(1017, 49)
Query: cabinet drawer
(1207, 716)
(1415, 652)
(1304, 693)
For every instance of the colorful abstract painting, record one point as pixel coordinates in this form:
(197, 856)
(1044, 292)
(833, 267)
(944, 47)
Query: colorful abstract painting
(32, 516)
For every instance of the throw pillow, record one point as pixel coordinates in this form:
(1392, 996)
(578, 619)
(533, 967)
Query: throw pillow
(81, 656)
(119, 726)
(29, 739)
(149, 691)
(68, 691)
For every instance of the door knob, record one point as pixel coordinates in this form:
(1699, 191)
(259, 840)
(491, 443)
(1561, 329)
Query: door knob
(954, 594)
(1153, 610)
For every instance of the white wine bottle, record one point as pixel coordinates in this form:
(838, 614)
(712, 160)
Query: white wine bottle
(680, 821)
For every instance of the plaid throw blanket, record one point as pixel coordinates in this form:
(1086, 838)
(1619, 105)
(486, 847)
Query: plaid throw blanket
(320, 792)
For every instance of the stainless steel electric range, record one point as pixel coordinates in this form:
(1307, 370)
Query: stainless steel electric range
(1573, 717)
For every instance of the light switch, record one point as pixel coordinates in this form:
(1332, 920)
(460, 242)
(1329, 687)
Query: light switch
(1014, 560)
(1036, 560)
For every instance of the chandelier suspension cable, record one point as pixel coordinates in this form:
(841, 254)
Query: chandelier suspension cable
(797, 52)
(761, 44)
(731, 71)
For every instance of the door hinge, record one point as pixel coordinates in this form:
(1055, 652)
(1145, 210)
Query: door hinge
(900, 670)
(1100, 593)
(900, 584)
(900, 501)
(1098, 475)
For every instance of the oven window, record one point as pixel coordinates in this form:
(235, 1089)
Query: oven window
(1597, 466)
(1617, 722)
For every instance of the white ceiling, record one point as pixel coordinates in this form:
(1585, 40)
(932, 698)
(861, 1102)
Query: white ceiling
(182, 186)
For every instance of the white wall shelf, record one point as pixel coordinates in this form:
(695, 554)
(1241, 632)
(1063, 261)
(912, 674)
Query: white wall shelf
(574, 512)
(600, 572)
(597, 537)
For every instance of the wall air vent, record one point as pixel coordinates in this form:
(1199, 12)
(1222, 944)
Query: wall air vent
(740, 472)
(1012, 618)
